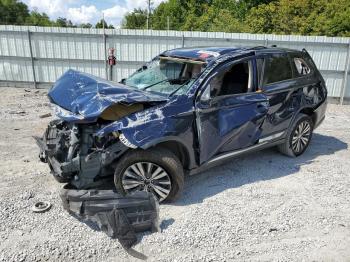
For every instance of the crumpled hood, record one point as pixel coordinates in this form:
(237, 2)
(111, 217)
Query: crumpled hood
(82, 96)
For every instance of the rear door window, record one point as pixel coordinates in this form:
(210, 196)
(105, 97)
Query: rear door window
(277, 68)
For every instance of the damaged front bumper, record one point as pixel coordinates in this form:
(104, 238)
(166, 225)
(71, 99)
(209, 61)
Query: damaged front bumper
(118, 216)
(72, 155)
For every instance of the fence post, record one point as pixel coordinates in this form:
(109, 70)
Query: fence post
(105, 52)
(266, 42)
(32, 58)
(183, 40)
(345, 80)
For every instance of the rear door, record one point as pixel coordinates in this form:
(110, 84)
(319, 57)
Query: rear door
(283, 89)
(230, 111)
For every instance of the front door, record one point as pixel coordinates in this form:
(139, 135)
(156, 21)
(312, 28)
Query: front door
(230, 111)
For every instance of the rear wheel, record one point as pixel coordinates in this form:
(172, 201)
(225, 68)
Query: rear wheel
(298, 137)
(156, 170)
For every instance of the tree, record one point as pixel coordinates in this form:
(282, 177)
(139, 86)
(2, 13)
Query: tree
(87, 25)
(332, 18)
(38, 19)
(202, 15)
(63, 22)
(172, 9)
(137, 19)
(305, 17)
(224, 21)
(100, 24)
(13, 12)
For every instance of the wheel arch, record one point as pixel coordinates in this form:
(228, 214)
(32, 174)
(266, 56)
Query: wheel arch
(310, 112)
(175, 145)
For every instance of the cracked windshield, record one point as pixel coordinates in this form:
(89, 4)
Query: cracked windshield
(166, 75)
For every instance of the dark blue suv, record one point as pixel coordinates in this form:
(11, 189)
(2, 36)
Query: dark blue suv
(182, 112)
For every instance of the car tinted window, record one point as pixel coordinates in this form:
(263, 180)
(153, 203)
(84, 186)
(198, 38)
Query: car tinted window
(301, 67)
(277, 68)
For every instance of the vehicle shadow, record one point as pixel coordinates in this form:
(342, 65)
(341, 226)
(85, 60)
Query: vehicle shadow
(259, 166)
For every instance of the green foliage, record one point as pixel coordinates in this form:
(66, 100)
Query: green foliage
(100, 25)
(306, 17)
(137, 19)
(87, 25)
(39, 19)
(13, 12)
(172, 10)
(63, 22)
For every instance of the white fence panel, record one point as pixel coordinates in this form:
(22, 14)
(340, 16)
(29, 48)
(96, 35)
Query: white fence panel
(57, 49)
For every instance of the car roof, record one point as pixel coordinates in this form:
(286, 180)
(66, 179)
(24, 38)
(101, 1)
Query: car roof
(207, 54)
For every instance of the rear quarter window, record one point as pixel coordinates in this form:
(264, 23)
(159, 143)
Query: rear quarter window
(277, 68)
(301, 67)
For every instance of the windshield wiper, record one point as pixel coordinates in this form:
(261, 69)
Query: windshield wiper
(184, 84)
(165, 80)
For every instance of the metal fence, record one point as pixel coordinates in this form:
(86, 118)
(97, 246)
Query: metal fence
(39, 55)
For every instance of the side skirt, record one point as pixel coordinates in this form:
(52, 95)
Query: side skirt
(222, 158)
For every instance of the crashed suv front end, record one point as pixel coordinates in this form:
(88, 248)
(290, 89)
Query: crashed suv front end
(84, 105)
(100, 121)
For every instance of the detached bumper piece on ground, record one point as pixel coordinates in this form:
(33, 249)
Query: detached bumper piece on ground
(118, 216)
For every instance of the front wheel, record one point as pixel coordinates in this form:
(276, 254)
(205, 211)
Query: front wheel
(156, 170)
(298, 137)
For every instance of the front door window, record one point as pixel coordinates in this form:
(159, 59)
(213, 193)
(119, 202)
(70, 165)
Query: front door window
(236, 79)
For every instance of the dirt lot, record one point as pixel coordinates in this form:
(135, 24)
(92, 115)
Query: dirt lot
(263, 207)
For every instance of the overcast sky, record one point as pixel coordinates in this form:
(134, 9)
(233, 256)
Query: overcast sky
(88, 11)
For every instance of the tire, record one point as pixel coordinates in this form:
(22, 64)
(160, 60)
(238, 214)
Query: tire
(301, 124)
(125, 174)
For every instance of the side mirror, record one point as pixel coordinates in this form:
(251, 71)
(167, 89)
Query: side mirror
(123, 81)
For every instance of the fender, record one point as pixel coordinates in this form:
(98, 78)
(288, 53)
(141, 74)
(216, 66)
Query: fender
(189, 150)
(172, 121)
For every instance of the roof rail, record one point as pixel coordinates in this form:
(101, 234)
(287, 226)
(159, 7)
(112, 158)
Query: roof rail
(258, 47)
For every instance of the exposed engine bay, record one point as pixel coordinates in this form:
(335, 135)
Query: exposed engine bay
(72, 149)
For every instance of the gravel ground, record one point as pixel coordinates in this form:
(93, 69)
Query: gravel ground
(264, 206)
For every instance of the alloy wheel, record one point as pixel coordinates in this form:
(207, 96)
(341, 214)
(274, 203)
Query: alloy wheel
(149, 177)
(301, 137)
